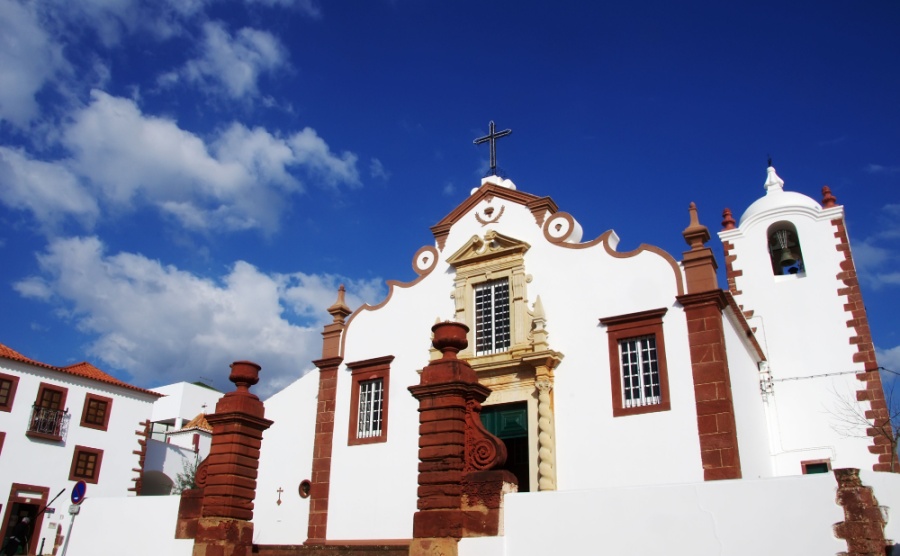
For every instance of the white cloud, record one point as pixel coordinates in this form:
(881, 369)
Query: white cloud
(162, 324)
(376, 170)
(29, 58)
(236, 181)
(880, 169)
(308, 7)
(49, 191)
(233, 64)
(889, 358)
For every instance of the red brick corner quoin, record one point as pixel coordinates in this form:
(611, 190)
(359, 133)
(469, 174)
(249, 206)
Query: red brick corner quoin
(872, 389)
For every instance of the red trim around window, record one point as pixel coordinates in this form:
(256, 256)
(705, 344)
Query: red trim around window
(85, 413)
(2, 439)
(361, 371)
(94, 476)
(805, 463)
(39, 402)
(633, 325)
(13, 385)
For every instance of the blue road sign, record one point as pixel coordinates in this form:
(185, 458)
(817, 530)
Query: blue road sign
(78, 492)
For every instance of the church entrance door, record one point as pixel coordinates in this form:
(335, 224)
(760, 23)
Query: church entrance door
(509, 422)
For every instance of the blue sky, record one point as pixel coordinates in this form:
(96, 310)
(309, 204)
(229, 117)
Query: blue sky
(184, 183)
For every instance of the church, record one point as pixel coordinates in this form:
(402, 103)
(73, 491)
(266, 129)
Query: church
(534, 389)
(606, 369)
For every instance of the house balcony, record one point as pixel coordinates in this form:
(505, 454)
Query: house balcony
(48, 424)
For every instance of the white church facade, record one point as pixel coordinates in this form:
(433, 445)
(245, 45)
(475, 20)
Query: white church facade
(606, 369)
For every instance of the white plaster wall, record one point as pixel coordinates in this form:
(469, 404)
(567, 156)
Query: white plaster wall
(742, 517)
(139, 526)
(887, 491)
(184, 400)
(168, 458)
(46, 463)
(802, 324)
(285, 461)
(749, 407)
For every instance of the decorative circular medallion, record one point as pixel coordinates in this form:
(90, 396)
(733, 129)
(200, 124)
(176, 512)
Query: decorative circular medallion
(559, 227)
(425, 260)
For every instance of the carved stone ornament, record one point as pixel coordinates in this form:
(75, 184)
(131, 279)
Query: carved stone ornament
(483, 450)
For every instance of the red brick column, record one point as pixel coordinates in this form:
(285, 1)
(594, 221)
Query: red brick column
(321, 464)
(863, 525)
(703, 305)
(712, 385)
(229, 472)
(320, 481)
(458, 495)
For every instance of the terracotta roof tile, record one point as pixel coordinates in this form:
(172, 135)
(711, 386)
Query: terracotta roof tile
(83, 369)
(198, 422)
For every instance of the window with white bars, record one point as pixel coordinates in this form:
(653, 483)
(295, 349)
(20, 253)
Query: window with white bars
(640, 372)
(371, 408)
(492, 322)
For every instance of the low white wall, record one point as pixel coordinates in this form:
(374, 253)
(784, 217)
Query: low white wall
(137, 526)
(789, 515)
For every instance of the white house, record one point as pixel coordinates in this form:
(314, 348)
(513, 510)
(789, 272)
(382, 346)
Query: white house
(180, 435)
(608, 369)
(60, 425)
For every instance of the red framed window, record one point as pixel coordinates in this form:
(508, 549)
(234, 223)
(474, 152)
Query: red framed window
(86, 464)
(637, 363)
(49, 416)
(369, 400)
(95, 414)
(813, 466)
(8, 386)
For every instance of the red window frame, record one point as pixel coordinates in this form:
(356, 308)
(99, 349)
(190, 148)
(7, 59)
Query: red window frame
(805, 463)
(361, 371)
(75, 461)
(10, 398)
(39, 402)
(626, 327)
(2, 440)
(85, 412)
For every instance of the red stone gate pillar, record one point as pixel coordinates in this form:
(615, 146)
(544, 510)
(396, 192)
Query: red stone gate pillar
(459, 494)
(229, 472)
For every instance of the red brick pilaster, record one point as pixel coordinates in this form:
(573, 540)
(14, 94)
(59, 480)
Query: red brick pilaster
(863, 525)
(703, 305)
(712, 385)
(872, 389)
(320, 481)
(229, 472)
(458, 494)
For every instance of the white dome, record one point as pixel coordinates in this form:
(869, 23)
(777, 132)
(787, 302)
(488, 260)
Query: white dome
(776, 197)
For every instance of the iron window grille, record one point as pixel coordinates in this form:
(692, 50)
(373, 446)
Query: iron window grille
(492, 318)
(371, 408)
(640, 372)
(50, 422)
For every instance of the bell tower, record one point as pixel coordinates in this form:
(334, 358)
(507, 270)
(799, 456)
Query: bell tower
(790, 268)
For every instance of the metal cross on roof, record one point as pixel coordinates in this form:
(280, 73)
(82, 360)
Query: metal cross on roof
(492, 138)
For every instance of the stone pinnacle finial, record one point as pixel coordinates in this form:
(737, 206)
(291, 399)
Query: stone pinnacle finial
(696, 234)
(727, 220)
(340, 310)
(773, 182)
(828, 200)
(449, 338)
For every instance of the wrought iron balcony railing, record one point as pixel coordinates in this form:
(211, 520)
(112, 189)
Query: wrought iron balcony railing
(48, 423)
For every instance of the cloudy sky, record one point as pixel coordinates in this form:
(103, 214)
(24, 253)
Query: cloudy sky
(184, 183)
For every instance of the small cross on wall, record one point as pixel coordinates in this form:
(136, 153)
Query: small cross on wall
(279, 491)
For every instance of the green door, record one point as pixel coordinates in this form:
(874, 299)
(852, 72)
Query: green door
(509, 422)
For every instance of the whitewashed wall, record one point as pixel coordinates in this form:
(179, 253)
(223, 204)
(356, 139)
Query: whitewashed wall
(184, 401)
(139, 526)
(789, 515)
(285, 461)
